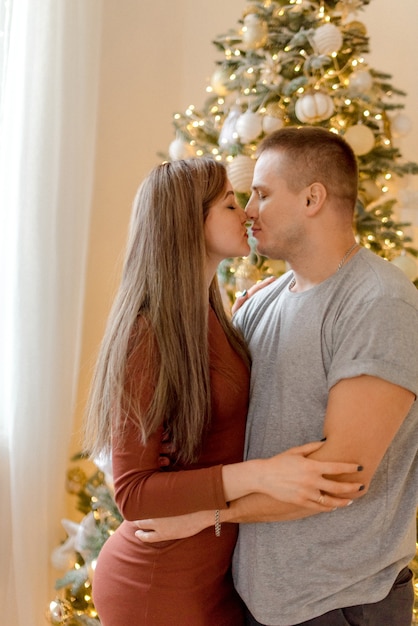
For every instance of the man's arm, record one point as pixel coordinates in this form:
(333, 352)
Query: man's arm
(363, 416)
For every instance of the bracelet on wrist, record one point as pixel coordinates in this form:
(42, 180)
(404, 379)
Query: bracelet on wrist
(217, 523)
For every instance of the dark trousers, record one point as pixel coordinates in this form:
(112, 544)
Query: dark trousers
(394, 610)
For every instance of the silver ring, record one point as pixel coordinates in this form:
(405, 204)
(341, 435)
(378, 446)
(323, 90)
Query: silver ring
(321, 499)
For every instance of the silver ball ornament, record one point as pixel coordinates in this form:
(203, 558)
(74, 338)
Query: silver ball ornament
(59, 612)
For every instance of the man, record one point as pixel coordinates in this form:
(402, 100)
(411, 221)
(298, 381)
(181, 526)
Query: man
(334, 345)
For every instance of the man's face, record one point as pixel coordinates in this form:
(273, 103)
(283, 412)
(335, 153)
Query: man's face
(275, 210)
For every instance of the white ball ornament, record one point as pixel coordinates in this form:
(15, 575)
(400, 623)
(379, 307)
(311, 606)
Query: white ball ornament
(249, 126)
(271, 123)
(180, 149)
(219, 81)
(254, 32)
(401, 125)
(360, 138)
(314, 107)
(240, 173)
(360, 82)
(228, 134)
(327, 39)
(407, 264)
(369, 190)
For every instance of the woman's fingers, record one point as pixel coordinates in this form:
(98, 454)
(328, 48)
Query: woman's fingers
(306, 448)
(340, 488)
(245, 295)
(338, 467)
(326, 502)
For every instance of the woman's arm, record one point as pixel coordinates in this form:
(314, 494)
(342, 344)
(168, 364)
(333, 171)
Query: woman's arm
(252, 508)
(143, 490)
(289, 477)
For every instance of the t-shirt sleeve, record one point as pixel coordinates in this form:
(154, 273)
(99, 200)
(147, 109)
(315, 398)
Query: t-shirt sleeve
(377, 338)
(142, 488)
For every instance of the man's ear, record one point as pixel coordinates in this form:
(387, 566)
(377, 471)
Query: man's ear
(316, 195)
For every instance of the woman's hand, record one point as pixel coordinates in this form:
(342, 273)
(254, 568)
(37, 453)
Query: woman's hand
(169, 528)
(245, 295)
(292, 477)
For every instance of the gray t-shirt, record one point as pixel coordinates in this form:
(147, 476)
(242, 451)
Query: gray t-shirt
(361, 320)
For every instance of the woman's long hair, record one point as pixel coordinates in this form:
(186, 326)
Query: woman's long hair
(162, 301)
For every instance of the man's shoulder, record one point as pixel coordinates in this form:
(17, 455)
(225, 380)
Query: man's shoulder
(384, 279)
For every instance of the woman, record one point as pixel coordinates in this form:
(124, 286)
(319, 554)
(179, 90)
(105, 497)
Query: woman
(172, 367)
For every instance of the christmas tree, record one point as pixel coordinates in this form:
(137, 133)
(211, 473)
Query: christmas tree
(73, 606)
(296, 62)
(289, 62)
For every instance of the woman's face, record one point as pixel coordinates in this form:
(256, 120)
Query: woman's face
(225, 231)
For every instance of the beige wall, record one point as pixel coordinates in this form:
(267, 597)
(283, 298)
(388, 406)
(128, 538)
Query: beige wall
(156, 59)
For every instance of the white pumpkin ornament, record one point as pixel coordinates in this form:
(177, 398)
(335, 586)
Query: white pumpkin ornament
(314, 107)
(360, 138)
(327, 39)
(240, 173)
(249, 126)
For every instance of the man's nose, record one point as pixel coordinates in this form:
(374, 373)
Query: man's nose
(250, 208)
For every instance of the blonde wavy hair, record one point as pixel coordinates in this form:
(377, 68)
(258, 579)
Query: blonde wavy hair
(163, 300)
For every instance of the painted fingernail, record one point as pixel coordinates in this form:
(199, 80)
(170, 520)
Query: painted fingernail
(243, 293)
(324, 439)
(360, 468)
(349, 502)
(361, 488)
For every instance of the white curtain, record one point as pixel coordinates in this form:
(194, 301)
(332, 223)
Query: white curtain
(48, 103)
